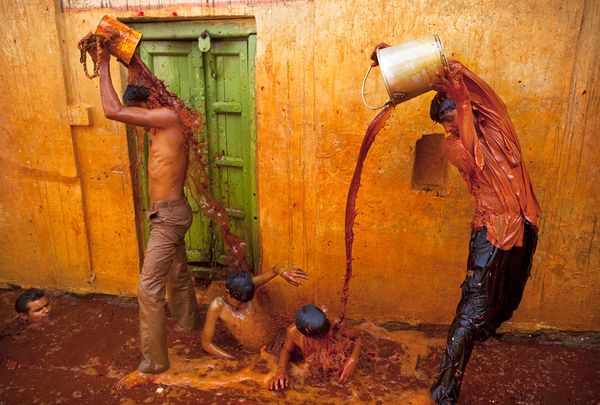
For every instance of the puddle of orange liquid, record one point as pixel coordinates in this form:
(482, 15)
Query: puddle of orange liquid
(249, 375)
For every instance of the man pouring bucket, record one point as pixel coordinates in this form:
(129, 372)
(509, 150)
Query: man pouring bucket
(482, 143)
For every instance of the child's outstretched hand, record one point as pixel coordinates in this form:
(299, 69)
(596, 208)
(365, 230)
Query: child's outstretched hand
(347, 370)
(279, 381)
(293, 275)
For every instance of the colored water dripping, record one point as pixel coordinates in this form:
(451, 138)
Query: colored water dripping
(372, 130)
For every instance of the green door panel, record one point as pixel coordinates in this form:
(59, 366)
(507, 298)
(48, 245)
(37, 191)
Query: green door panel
(228, 133)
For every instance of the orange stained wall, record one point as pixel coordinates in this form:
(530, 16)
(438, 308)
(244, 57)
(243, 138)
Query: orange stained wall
(66, 207)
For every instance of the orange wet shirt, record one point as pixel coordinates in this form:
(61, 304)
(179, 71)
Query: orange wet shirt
(500, 183)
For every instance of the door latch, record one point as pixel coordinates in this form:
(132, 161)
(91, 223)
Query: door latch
(204, 46)
(204, 42)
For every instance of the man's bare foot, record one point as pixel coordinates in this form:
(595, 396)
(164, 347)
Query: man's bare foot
(135, 378)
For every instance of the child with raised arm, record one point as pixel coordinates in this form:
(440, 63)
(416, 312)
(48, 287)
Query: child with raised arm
(243, 316)
(313, 337)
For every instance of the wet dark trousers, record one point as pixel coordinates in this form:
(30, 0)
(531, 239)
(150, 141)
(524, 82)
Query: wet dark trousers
(491, 291)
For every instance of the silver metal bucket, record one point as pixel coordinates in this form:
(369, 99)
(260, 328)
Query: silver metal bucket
(409, 68)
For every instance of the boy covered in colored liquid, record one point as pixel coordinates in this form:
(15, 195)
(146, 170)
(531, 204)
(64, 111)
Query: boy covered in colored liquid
(313, 337)
(33, 305)
(33, 308)
(243, 316)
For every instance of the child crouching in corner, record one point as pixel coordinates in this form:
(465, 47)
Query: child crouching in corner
(324, 350)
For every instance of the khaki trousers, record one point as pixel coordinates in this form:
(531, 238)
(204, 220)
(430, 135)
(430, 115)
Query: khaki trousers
(165, 266)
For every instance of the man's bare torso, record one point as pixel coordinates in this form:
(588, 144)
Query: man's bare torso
(167, 164)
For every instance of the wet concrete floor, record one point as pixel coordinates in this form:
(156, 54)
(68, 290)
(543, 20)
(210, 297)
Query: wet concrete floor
(91, 342)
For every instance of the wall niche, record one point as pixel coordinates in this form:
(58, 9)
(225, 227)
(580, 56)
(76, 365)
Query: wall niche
(430, 169)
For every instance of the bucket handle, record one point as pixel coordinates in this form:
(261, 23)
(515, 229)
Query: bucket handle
(363, 92)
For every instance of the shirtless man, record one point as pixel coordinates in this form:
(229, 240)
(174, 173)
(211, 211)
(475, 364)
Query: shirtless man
(170, 216)
(242, 316)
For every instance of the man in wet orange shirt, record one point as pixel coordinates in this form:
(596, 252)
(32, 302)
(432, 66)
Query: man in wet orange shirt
(483, 145)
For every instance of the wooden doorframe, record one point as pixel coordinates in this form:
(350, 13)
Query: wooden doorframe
(191, 29)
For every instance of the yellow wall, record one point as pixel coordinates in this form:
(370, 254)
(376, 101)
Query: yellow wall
(66, 206)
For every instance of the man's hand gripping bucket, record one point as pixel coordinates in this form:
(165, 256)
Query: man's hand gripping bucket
(122, 39)
(408, 69)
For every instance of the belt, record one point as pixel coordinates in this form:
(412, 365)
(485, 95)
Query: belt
(167, 204)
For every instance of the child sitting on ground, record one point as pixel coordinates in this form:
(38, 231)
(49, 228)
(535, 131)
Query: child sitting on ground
(323, 350)
(242, 316)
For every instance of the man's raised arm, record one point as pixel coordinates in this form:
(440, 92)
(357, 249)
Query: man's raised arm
(114, 110)
(491, 107)
(453, 85)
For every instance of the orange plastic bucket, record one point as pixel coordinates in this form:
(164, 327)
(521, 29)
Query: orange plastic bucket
(123, 40)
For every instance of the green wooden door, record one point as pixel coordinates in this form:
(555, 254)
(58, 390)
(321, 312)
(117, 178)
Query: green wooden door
(219, 83)
(230, 144)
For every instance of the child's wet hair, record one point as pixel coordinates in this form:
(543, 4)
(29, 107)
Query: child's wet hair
(240, 285)
(32, 294)
(135, 94)
(312, 322)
